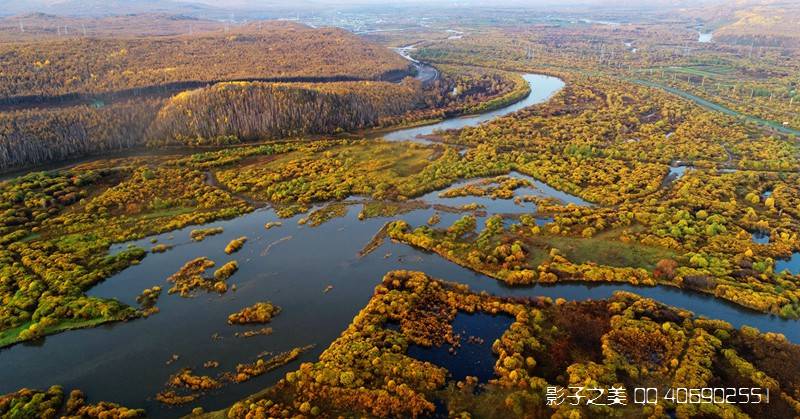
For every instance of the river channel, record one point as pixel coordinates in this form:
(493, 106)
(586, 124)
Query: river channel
(293, 266)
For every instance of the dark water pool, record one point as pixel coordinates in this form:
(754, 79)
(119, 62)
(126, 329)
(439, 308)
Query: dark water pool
(760, 237)
(792, 264)
(474, 356)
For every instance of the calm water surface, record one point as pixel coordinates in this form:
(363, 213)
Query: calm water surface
(474, 357)
(542, 88)
(289, 265)
(792, 265)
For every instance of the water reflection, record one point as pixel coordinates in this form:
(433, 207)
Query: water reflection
(293, 275)
(792, 264)
(291, 266)
(542, 88)
(760, 237)
(474, 356)
(675, 172)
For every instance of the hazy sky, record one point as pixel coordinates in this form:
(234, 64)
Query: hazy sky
(252, 3)
(106, 7)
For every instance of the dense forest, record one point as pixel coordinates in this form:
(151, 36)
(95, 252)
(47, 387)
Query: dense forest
(72, 96)
(38, 136)
(268, 50)
(233, 112)
(771, 24)
(78, 96)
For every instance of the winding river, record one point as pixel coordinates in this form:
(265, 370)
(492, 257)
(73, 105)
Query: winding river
(542, 88)
(292, 266)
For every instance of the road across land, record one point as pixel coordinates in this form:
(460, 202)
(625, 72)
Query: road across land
(719, 108)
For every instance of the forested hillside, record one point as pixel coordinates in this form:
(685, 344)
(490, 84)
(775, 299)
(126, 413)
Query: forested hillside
(234, 112)
(67, 95)
(240, 111)
(216, 115)
(260, 50)
(772, 24)
(38, 136)
(74, 86)
(38, 26)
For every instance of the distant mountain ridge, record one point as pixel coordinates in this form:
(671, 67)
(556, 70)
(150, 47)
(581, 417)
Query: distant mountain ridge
(39, 26)
(107, 7)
